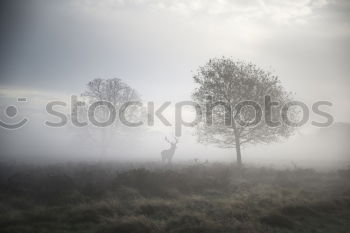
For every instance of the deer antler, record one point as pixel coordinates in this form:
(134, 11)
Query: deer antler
(166, 139)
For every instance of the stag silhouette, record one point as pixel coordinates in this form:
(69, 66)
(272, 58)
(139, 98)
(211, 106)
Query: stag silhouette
(167, 155)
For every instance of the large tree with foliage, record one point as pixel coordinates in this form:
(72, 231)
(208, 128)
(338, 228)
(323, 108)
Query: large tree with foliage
(223, 85)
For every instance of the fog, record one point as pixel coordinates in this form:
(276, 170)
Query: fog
(35, 142)
(51, 50)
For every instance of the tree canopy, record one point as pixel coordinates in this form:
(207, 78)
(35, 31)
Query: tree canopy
(229, 90)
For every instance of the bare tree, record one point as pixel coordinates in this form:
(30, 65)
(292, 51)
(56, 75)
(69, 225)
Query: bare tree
(223, 85)
(114, 91)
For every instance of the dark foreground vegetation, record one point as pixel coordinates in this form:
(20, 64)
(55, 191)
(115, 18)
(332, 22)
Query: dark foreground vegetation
(106, 198)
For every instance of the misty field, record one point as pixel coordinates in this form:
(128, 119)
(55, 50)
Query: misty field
(142, 198)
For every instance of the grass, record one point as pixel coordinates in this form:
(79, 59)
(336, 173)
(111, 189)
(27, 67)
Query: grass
(109, 198)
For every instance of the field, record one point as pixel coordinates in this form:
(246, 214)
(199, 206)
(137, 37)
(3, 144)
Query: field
(142, 198)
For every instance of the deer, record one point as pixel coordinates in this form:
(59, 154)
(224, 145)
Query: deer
(169, 153)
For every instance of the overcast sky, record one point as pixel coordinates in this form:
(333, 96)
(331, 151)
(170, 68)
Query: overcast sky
(155, 45)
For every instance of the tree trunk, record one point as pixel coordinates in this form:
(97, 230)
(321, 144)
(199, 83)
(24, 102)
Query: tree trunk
(238, 145)
(238, 153)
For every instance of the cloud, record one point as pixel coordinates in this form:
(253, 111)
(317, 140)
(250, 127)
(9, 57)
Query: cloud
(278, 11)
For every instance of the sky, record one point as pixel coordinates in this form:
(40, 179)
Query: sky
(155, 46)
(52, 49)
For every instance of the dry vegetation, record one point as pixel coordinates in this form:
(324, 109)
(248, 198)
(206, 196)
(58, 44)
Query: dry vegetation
(217, 198)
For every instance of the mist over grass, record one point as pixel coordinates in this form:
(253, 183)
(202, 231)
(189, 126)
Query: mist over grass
(148, 197)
